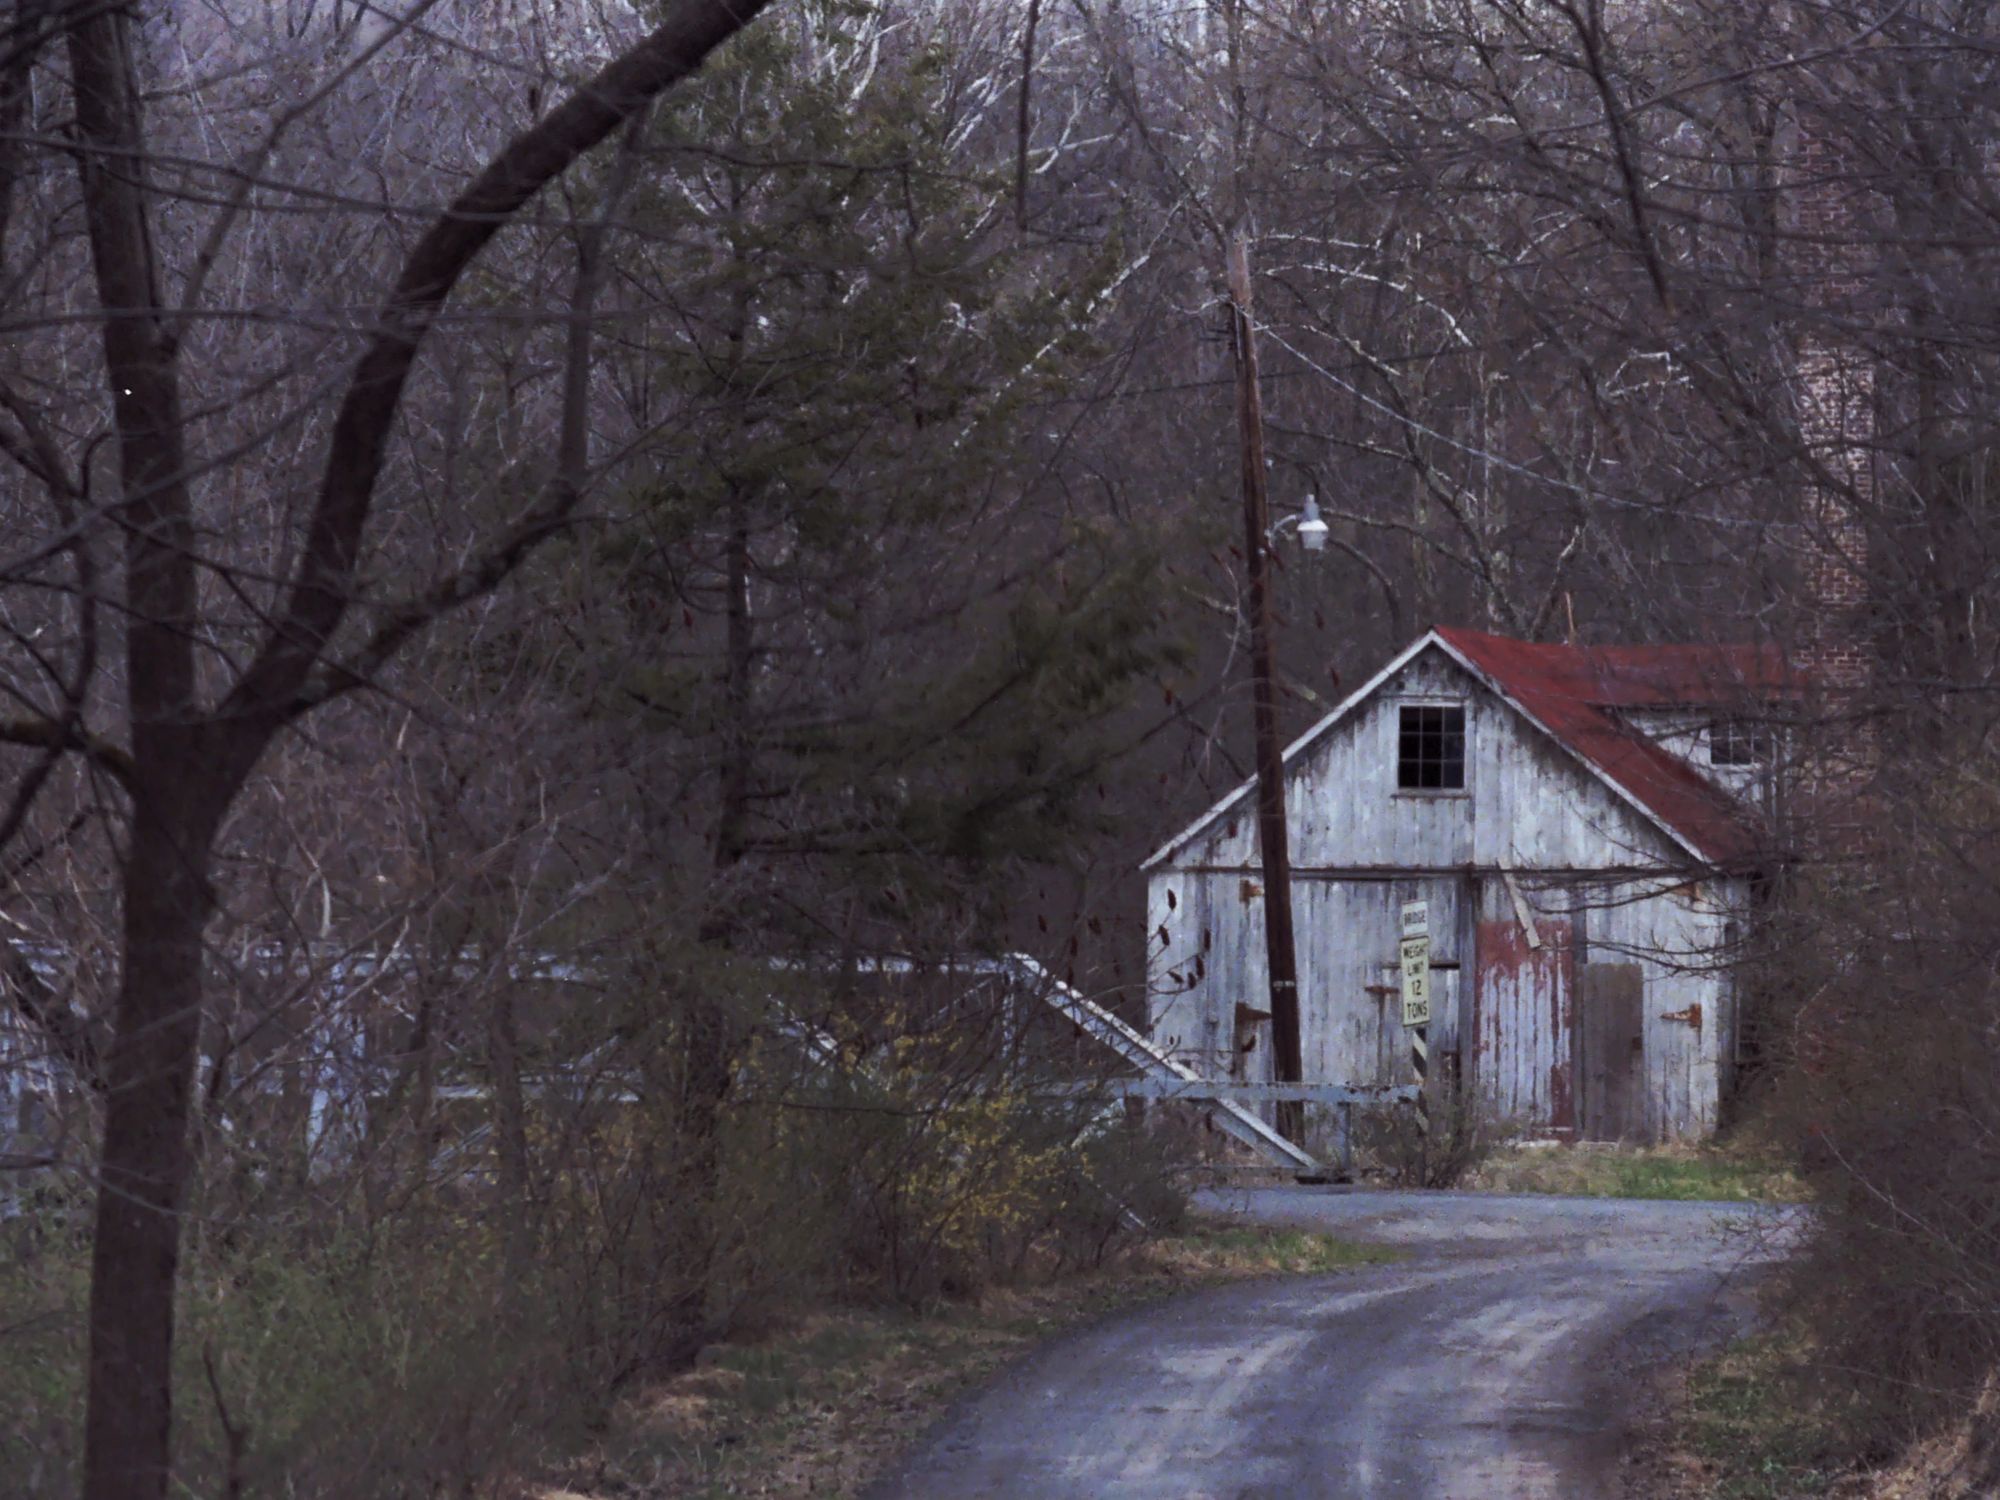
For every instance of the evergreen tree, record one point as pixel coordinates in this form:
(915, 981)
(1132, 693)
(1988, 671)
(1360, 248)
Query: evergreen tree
(869, 634)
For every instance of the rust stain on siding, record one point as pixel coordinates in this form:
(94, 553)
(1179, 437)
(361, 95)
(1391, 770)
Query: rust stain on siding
(1525, 1010)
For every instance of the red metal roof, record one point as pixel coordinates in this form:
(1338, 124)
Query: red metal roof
(1574, 692)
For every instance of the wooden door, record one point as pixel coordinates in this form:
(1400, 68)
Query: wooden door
(1610, 1003)
(1524, 1014)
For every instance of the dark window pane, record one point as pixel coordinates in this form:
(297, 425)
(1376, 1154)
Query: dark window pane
(1731, 742)
(1430, 748)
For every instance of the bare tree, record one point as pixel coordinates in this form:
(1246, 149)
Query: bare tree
(197, 721)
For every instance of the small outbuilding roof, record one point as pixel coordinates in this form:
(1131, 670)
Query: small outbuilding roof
(1574, 693)
(1577, 695)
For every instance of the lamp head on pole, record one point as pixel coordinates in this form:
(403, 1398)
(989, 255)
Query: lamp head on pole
(1312, 530)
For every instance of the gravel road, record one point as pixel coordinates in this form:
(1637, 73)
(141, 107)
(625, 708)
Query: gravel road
(1499, 1361)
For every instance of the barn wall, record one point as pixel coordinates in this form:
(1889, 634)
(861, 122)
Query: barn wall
(1509, 1011)
(1207, 952)
(1681, 939)
(1525, 1025)
(1208, 947)
(1528, 803)
(1349, 978)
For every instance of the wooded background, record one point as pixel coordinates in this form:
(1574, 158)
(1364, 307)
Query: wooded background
(539, 537)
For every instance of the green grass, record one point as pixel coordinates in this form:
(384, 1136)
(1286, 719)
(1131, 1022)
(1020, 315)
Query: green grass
(1297, 1252)
(1747, 1420)
(1707, 1173)
(1701, 1177)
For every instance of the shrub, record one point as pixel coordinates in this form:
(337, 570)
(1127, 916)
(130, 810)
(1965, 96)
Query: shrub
(1883, 1017)
(980, 1187)
(444, 1311)
(329, 1365)
(1461, 1137)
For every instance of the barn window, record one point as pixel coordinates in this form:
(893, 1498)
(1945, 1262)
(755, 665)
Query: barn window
(1430, 749)
(1736, 742)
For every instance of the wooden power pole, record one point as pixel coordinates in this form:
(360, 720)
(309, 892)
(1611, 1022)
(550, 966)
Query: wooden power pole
(1281, 954)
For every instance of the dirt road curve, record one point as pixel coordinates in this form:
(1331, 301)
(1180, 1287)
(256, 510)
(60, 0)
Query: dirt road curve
(1498, 1362)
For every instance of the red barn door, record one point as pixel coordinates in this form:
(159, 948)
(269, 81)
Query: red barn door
(1524, 1014)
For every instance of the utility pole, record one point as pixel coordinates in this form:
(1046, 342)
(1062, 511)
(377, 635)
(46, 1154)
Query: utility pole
(1280, 952)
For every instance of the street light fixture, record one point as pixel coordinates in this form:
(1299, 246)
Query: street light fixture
(1311, 527)
(1312, 530)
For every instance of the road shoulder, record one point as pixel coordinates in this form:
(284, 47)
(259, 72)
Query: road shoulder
(824, 1402)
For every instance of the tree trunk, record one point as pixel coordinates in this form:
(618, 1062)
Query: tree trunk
(510, 1135)
(709, 1030)
(181, 780)
(732, 824)
(146, 1161)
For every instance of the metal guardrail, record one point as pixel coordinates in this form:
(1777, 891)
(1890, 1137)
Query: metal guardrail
(1202, 1089)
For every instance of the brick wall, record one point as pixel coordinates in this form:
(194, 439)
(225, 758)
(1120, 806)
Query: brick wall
(1834, 391)
(1836, 395)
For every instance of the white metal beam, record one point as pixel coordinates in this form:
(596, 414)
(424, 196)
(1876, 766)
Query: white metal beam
(1140, 1051)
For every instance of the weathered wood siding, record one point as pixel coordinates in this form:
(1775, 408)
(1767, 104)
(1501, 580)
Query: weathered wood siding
(1509, 1013)
(1206, 937)
(1524, 1015)
(1681, 939)
(1208, 946)
(1603, 885)
(1526, 802)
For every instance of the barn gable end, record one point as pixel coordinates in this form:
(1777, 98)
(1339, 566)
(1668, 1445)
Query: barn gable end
(1529, 802)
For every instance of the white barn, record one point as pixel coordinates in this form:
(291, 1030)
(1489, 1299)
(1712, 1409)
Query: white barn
(1585, 824)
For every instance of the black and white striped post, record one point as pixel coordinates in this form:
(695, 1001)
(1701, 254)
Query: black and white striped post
(1416, 962)
(1420, 1064)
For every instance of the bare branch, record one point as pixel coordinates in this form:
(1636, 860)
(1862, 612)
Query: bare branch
(60, 737)
(322, 588)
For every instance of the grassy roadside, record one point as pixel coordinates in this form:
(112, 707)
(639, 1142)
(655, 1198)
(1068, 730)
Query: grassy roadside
(828, 1399)
(1747, 1429)
(1726, 1173)
(1733, 1426)
(1746, 1424)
